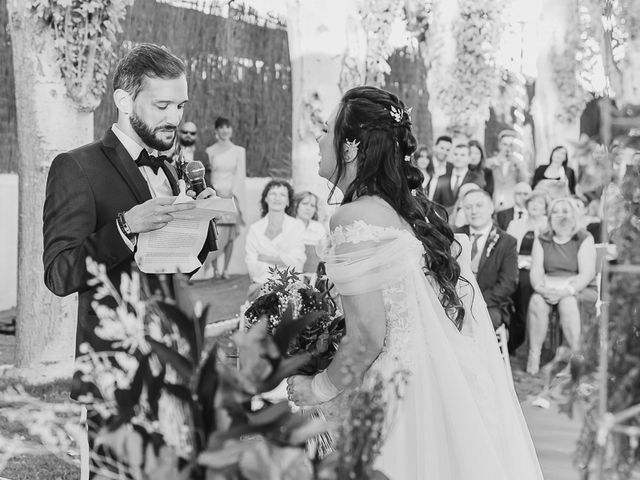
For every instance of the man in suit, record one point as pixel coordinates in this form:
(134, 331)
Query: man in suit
(494, 258)
(438, 165)
(101, 196)
(188, 139)
(521, 194)
(508, 168)
(448, 185)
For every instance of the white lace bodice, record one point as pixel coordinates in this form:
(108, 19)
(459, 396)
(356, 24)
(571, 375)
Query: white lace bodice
(379, 258)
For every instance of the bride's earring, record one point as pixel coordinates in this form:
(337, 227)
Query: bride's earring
(350, 150)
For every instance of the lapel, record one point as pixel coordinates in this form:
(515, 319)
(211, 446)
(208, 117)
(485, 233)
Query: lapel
(172, 175)
(483, 257)
(126, 166)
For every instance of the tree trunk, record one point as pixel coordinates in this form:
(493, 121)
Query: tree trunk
(327, 53)
(48, 123)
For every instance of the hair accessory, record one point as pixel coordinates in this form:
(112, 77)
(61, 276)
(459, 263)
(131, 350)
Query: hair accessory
(396, 113)
(407, 158)
(408, 112)
(351, 149)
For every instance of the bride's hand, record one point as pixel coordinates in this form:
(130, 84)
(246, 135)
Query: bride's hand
(299, 391)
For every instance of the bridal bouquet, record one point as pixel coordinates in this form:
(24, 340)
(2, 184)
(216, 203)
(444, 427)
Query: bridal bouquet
(307, 312)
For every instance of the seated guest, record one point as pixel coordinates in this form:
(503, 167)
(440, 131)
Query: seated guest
(494, 259)
(477, 164)
(277, 239)
(521, 193)
(563, 269)
(556, 174)
(525, 230)
(306, 209)
(448, 185)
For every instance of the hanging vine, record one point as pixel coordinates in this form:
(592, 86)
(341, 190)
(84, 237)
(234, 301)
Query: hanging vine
(84, 34)
(377, 18)
(472, 85)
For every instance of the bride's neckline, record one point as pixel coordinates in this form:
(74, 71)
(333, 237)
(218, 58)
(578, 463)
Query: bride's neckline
(403, 225)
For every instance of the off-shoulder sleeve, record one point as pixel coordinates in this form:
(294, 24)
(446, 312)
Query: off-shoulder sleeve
(363, 260)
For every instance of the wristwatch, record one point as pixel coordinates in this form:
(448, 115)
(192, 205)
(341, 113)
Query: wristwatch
(124, 226)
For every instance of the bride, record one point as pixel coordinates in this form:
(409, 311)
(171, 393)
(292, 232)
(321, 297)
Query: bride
(411, 304)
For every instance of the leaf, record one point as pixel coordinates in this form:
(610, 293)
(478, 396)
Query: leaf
(187, 327)
(286, 368)
(289, 328)
(310, 429)
(270, 414)
(206, 388)
(228, 455)
(181, 364)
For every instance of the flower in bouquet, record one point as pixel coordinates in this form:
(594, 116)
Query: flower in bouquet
(287, 302)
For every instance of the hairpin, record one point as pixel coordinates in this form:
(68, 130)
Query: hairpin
(396, 113)
(351, 148)
(408, 112)
(407, 158)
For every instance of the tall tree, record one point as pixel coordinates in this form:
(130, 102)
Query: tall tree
(61, 53)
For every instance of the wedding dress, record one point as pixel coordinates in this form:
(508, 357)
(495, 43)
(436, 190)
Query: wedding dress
(458, 417)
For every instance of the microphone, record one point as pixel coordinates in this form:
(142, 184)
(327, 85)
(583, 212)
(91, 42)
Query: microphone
(195, 174)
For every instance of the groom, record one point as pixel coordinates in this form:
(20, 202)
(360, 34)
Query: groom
(100, 196)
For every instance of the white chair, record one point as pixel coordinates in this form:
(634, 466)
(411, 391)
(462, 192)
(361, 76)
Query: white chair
(501, 333)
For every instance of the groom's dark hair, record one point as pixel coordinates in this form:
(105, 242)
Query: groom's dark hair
(146, 60)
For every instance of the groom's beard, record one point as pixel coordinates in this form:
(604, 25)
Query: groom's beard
(149, 135)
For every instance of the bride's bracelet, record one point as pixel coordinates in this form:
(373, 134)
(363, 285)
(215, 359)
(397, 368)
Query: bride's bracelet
(323, 388)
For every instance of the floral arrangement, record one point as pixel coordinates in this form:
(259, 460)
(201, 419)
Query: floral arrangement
(84, 34)
(609, 442)
(377, 17)
(492, 240)
(171, 408)
(571, 97)
(287, 300)
(467, 92)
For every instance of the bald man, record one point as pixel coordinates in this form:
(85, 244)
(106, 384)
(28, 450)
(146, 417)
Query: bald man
(188, 138)
(521, 193)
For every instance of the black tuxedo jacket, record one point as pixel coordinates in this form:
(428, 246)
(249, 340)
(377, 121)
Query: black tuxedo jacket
(446, 197)
(504, 217)
(86, 189)
(498, 273)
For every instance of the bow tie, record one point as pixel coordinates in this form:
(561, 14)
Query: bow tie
(146, 160)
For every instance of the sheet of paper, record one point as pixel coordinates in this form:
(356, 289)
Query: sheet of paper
(175, 247)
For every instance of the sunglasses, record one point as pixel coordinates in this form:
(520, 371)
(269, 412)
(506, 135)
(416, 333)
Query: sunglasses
(187, 132)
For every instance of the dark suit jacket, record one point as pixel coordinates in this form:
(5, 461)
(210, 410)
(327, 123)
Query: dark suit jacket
(443, 194)
(86, 189)
(504, 217)
(498, 273)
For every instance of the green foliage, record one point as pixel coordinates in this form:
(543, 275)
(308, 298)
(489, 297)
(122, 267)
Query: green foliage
(616, 452)
(84, 34)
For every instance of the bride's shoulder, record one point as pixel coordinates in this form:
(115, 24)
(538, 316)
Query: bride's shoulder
(367, 210)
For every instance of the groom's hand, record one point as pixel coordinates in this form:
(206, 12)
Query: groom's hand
(154, 214)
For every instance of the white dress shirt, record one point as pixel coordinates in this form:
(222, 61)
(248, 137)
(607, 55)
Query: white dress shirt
(159, 185)
(482, 240)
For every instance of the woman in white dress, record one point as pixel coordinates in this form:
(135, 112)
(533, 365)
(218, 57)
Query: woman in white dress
(277, 239)
(410, 304)
(228, 173)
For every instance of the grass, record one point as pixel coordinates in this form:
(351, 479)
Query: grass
(37, 467)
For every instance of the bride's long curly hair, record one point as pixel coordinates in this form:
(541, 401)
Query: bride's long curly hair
(378, 120)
